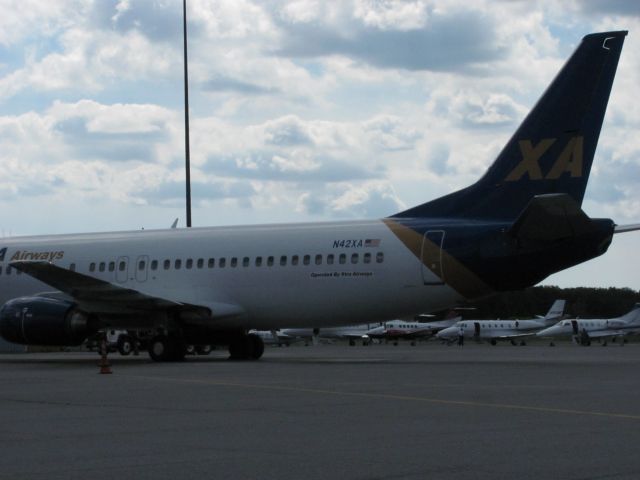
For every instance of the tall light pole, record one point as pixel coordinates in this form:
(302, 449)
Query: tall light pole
(186, 113)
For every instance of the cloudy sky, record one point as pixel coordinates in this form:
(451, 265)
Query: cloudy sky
(304, 110)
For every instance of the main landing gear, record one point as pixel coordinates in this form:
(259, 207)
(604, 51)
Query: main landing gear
(246, 347)
(173, 348)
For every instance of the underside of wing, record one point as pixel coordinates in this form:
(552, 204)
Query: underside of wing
(91, 292)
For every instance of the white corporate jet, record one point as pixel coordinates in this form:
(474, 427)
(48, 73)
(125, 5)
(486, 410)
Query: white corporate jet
(395, 330)
(494, 330)
(518, 224)
(352, 333)
(583, 330)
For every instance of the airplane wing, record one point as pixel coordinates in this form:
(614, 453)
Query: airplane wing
(96, 295)
(626, 228)
(607, 333)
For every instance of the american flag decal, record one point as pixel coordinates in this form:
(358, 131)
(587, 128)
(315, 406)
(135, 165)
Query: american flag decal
(372, 242)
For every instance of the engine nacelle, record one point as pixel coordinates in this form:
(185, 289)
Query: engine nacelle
(43, 321)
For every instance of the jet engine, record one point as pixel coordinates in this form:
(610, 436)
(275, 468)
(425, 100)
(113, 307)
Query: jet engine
(43, 321)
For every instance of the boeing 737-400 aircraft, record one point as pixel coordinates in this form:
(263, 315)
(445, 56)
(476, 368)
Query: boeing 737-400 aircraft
(519, 223)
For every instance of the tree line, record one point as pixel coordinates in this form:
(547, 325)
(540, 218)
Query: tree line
(582, 302)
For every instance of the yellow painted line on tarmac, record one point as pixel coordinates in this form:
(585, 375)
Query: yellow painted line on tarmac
(387, 396)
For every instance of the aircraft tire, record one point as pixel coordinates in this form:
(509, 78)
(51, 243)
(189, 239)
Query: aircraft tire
(203, 349)
(240, 348)
(160, 348)
(493, 341)
(125, 345)
(257, 347)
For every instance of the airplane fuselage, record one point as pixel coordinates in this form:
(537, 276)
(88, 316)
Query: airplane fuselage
(277, 275)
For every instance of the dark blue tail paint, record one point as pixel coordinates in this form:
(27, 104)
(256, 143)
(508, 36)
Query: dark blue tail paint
(552, 150)
(522, 220)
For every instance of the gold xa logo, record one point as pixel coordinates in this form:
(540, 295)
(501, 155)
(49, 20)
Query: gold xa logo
(570, 160)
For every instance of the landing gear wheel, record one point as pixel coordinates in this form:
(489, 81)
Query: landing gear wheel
(203, 349)
(257, 347)
(167, 349)
(125, 345)
(246, 347)
(493, 341)
(352, 342)
(159, 348)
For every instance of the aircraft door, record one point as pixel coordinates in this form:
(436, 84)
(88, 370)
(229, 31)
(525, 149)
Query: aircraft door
(122, 269)
(431, 256)
(574, 326)
(476, 329)
(142, 268)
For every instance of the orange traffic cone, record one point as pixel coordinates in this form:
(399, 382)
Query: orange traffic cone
(105, 366)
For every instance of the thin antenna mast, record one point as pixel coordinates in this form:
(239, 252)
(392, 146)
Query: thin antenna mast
(186, 114)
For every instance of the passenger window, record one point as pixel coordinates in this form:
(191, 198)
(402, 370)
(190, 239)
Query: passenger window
(234, 262)
(342, 259)
(222, 262)
(200, 262)
(211, 263)
(101, 267)
(154, 264)
(189, 263)
(258, 261)
(245, 262)
(294, 260)
(177, 264)
(318, 259)
(283, 260)
(167, 264)
(379, 257)
(270, 261)
(92, 267)
(112, 266)
(330, 258)
(354, 258)
(141, 265)
(367, 258)
(306, 259)
(122, 267)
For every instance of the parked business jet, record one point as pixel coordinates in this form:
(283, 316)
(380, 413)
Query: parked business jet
(519, 223)
(494, 330)
(395, 330)
(352, 333)
(583, 330)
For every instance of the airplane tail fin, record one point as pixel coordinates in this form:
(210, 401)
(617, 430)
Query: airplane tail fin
(633, 316)
(553, 149)
(556, 311)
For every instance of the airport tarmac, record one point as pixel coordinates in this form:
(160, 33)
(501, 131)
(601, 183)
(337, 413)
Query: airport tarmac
(326, 412)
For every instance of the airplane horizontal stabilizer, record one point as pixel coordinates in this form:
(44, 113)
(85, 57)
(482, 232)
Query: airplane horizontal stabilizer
(626, 228)
(551, 217)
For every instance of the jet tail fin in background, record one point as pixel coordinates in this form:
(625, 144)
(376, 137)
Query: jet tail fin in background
(552, 151)
(556, 311)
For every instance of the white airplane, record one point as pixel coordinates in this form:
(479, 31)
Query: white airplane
(583, 330)
(519, 223)
(273, 337)
(395, 330)
(494, 330)
(350, 332)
